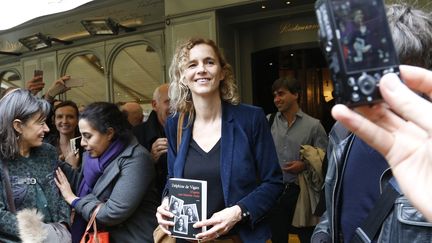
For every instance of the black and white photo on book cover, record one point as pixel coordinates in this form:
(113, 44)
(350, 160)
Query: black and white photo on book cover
(188, 203)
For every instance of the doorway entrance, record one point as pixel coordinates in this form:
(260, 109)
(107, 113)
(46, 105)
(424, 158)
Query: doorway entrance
(306, 63)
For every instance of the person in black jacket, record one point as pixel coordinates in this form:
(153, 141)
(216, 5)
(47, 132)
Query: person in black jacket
(358, 174)
(151, 134)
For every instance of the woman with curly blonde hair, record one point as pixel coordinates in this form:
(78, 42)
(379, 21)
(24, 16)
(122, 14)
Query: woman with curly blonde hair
(223, 142)
(179, 93)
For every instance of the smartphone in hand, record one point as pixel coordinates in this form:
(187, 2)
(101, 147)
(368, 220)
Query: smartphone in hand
(39, 74)
(74, 82)
(74, 144)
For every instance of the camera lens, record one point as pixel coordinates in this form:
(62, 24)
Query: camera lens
(367, 84)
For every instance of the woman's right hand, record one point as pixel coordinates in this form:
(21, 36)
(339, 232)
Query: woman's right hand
(64, 186)
(164, 216)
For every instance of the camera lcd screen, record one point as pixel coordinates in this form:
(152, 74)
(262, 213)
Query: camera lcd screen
(364, 34)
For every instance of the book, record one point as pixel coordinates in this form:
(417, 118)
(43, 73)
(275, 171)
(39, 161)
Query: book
(188, 202)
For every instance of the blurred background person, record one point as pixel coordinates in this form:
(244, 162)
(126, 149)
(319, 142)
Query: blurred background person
(151, 134)
(27, 166)
(291, 128)
(134, 111)
(116, 172)
(66, 128)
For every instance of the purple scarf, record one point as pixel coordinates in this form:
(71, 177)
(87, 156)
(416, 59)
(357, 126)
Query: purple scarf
(94, 166)
(93, 169)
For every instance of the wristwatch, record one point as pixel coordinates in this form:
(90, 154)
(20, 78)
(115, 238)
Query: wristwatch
(245, 215)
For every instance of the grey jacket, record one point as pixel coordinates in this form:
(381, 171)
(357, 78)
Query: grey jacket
(404, 224)
(128, 192)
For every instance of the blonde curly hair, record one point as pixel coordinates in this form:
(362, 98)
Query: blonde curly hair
(179, 93)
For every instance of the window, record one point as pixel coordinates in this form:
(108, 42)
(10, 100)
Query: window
(137, 71)
(89, 68)
(10, 79)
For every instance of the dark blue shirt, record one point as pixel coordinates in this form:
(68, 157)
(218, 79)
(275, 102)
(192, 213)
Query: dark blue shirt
(360, 186)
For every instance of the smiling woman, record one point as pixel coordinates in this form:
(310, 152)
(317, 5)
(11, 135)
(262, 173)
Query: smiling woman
(223, 143)
(65, 130)
(27, 166)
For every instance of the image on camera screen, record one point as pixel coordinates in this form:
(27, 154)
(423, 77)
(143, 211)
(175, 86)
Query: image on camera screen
(364, 34)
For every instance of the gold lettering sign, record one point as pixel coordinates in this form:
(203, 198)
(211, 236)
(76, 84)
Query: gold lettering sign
(284, 28)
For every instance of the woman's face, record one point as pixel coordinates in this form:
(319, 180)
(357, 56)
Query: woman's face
(92, 140)
(31, 132)
(66, 120)
(180, 222)
(203, 72)
(189, 211)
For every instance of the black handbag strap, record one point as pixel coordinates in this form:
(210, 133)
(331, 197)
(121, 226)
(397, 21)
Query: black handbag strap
(8, 188)
(373, 222)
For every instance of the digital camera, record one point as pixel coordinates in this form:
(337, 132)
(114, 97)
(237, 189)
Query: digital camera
(356, 40)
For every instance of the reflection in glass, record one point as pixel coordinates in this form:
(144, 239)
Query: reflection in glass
(89, 68)
(136, 73)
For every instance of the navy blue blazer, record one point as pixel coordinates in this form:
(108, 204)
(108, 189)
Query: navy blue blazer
(249, 167)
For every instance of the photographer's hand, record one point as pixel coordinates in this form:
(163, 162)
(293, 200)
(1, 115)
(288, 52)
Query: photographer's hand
(57, 87)
(401, 130)
(35, 85)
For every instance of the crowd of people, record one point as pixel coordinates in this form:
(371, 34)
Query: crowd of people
(264, 173)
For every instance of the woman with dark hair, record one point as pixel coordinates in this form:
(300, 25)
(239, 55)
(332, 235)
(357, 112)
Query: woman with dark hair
(192, 218)
(31, 209)
(175, 208)
(180, 225)
(116, 172)
(65, 119)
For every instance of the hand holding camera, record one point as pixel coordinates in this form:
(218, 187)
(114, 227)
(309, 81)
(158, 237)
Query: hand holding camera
(401, 131)
(36, 84)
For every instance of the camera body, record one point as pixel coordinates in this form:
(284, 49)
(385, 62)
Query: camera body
(356, 40)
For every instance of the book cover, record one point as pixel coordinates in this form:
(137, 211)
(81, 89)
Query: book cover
(188, 202)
